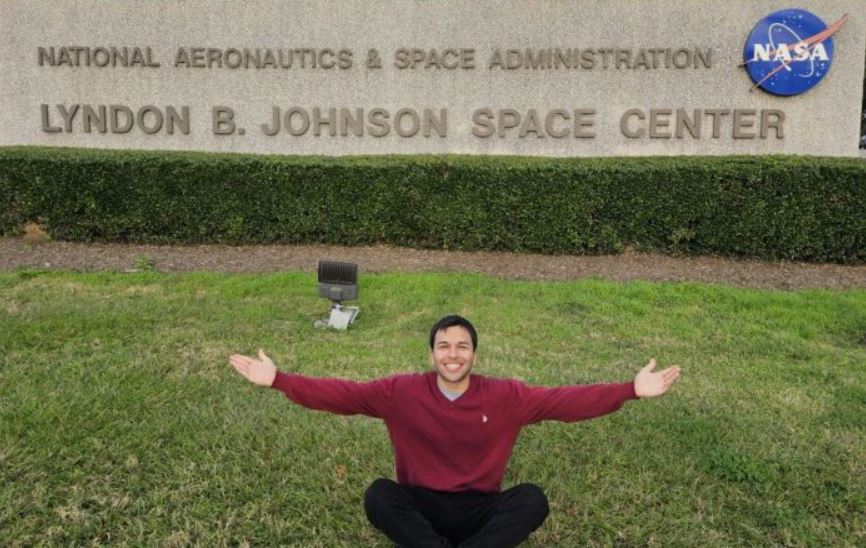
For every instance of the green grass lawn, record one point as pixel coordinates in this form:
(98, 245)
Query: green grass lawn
(121, 421)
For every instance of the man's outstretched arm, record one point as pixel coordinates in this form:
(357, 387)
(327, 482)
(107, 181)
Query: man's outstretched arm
(580, 402)
(334, 395)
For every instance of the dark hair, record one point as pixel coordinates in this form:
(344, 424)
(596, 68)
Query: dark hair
(451, 321)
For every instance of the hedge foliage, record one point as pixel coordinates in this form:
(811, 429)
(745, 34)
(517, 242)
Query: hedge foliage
(770, 207)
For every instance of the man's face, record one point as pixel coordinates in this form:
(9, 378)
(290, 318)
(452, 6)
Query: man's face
(453, 357)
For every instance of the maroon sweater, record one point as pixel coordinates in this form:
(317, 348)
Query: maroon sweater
(460, 445)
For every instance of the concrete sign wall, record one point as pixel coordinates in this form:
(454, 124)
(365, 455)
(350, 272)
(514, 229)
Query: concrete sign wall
(553, 78)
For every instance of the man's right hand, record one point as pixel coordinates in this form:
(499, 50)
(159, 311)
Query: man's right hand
(260, 371)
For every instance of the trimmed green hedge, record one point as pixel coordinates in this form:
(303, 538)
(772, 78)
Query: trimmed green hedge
(796, 208)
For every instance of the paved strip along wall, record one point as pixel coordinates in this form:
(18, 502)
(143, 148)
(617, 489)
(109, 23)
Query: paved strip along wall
(549, 78)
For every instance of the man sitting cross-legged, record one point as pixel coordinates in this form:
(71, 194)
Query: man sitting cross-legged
(452, 433)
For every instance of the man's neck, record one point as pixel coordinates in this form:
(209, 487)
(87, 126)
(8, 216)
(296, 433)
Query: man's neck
(454, 387)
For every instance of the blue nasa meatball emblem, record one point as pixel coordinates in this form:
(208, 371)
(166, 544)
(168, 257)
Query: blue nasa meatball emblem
(789, 51)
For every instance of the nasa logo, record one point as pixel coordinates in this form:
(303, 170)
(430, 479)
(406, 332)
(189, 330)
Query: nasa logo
(790, 51)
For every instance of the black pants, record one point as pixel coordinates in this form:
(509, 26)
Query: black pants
(415, 516)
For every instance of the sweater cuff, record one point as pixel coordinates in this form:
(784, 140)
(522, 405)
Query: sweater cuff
(281, 381)
(630, 394)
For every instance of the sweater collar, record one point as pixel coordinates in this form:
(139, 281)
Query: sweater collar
(475, 380)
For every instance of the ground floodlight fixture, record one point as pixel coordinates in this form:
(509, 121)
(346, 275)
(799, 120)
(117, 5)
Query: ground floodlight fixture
(338, 282)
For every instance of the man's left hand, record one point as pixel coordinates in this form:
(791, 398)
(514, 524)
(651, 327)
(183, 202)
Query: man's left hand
(649, 383)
